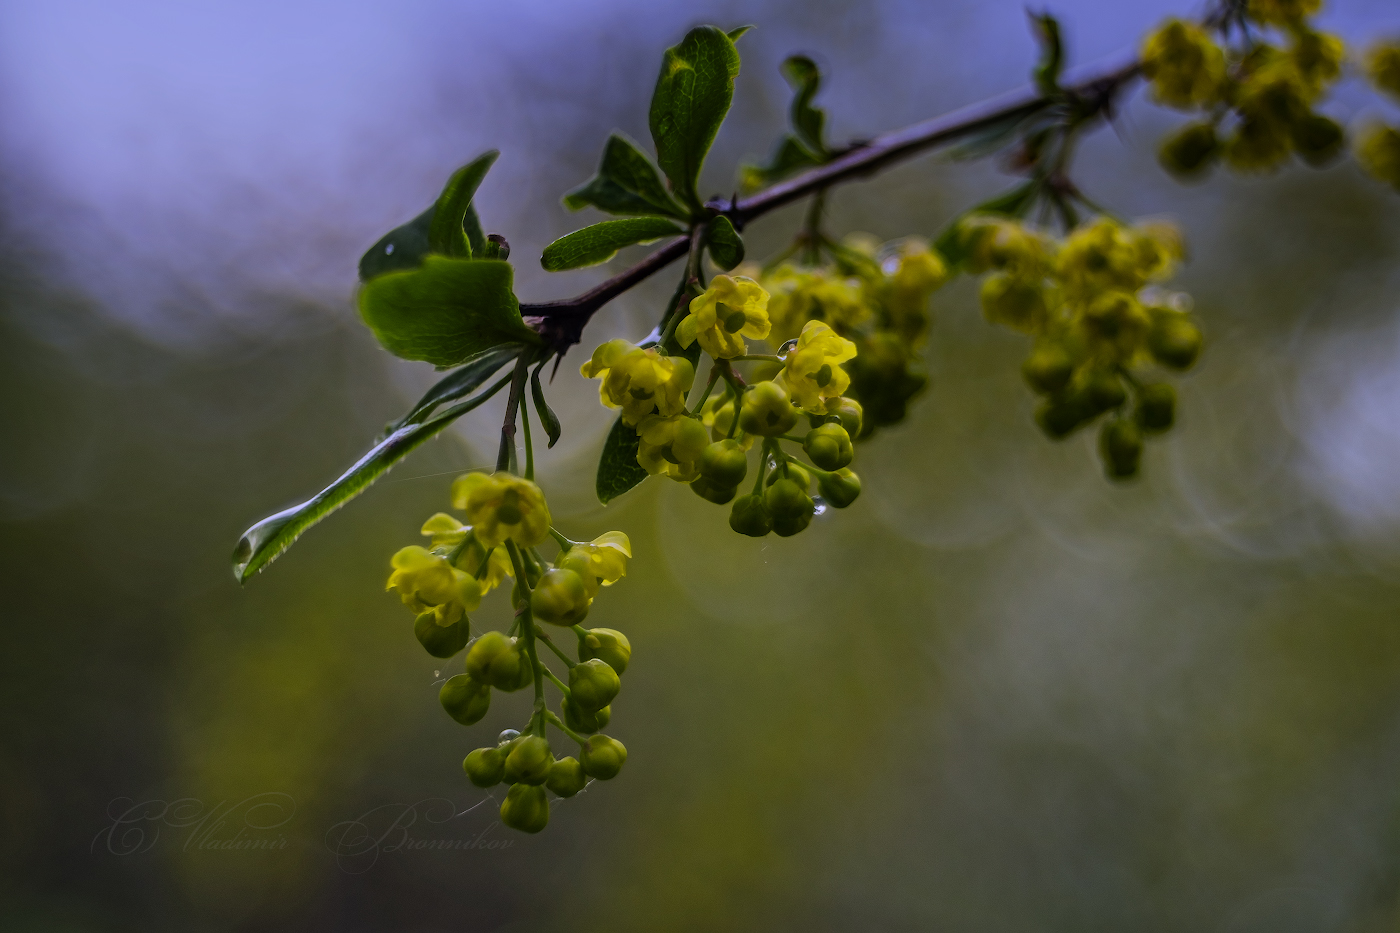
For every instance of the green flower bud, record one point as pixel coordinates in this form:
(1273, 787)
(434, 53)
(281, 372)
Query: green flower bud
(581, 564)
(1120, 445)
(498, 661)
(1190, 152)
(593, 684)
(441, 641)
(525, 808)
(465, 699)
(582, 720)
(608, 645)
(1048, 368)
(560, 598)
(1061, 414)
(749, 516)
(724, 463)
(707, 489)
(848, 412)
(790, 506)
(1174, 340)
(1103, 391)
(767, 411)
(566, 777)
(485, 767)
(839, 489)
(1317, 139)
(1013, 303)
(529, 760)
(602, 757)
(793, 471)
(829, 446)
(1156, 407)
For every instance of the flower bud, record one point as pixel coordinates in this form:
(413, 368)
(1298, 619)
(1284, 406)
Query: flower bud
(724, 463)
(566, 777)
(1174, 340)
(465, 699)
(1156, 407)
(767, 410)
(582, 721)
(706, 489)
(789, 505)
(608, 645)
(1191, 151)
(602, 757)
(560, 598)
(529, 761)
(749, 516)
(1013, 303)
(498, 661)
(848, 411)
(829, 446)
(793, 471)
(441, 641)
(1317, 139)
(485, 767)
(593, 684)
(1103, 391)
(1048, 368)
(1120, 445)
(839, 489)
(525, 808)
(576, 560)
(1061, 414)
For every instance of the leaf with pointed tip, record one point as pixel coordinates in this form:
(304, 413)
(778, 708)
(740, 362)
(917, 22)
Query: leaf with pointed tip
(735, 34)
(808, 122)
(475, 235)
(724, 243)
(461, 381)
(401, 248)
(261, 544)
(547, 416)
(692, 96)
(627, 183)
(445, 311)
(618, 469)
(790, 156)
(601, 241)
(447, 234)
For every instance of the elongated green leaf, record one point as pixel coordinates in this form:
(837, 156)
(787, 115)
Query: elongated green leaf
(261, 544)
(692, 96)
(447, 235)
(462, 381)
(445, 311)
(808, 122)
(627, 183)
(618, 469)
(1010, 204)
(547, 416)
(600, 242)
(475, 235)
(1046, 73)
(735, 34)
(401, 248)
(724, 243)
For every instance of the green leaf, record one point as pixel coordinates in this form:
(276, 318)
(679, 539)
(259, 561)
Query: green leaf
(692, 96)
(790, 156)
(724, 243)
(475, 235)
(627, 183)
(462, 381)
(447, 233)
(1011, 203)
(401, 248)
(1046, 73)
(735, 34)
(445, 311)
(600, 242)
(618, 469)
(261, 544)
(808, 122)
(547, 416)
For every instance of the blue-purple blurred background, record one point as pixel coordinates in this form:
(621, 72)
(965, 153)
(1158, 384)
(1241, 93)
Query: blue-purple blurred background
(998, 693)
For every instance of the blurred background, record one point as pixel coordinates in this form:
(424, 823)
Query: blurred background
(998, 693)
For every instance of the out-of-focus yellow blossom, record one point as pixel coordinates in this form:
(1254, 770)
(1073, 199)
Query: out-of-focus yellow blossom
(913, 273)
(1008, 245)
(607, 555)
(733, 307)
(1383, 67)
(671, 446)
(502, 506)
(802, 295)
(1160, 248)
(1378, 151)
(427, 582)
(1185, 66)
(639, 381)
(1282, 12)
(812, 370)
(1318, 58)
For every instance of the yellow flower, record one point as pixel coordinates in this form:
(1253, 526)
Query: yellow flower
(730, 309)
(427, 582)
(671, 446)
(1378, 151)
(1008, 245)
(1282, 12)
(1160, 247)
(502, 506)
(639, 381)
(717, 414)
(1318, 56)
(802, 295)
(812, 372)
(607, 556)
(1185, 66)
(1098, 255)
(1383, 67)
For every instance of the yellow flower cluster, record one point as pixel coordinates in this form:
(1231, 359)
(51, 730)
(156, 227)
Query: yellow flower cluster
(639, 381)
(732, 308)
(1378, 144)
(1093, 306)
(1260, 98)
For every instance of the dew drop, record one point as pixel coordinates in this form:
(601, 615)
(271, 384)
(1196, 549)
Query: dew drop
(818, 506)
(506, 735)
(389, 250)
